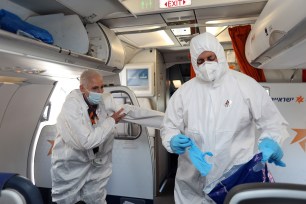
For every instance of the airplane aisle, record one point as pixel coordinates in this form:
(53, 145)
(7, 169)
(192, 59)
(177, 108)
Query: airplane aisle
(167, 196)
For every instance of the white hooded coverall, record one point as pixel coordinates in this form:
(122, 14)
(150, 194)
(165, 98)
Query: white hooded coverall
(77, 173)
(219, 116)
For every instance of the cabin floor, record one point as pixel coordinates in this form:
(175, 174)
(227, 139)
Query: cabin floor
(167, 196)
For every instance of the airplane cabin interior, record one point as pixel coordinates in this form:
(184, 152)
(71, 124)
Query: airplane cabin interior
(45, 45)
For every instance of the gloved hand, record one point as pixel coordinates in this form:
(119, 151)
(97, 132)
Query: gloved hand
(197, 157)
(179, 143)
(271, 152)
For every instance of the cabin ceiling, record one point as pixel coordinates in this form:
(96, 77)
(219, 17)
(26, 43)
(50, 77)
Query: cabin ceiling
(143, 24)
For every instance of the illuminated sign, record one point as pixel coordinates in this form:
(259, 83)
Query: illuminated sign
(173, 3)
(146, 4)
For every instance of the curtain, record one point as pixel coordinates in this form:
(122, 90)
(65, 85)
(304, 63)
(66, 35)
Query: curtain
(304, 75)
(192, 73)
(239, 36)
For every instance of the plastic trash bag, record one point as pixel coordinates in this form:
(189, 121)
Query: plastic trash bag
(12, 23)
(246, 173)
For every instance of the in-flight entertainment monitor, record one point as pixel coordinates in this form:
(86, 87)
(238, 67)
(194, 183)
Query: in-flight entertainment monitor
(139, 78)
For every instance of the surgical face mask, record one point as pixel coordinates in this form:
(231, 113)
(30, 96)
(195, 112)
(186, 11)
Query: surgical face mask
(94, 98)
(209, 71)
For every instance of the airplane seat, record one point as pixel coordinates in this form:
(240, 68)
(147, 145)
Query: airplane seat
(145, 103)
(42, 157)
(267, 193)
(18, 190)
(126, 130)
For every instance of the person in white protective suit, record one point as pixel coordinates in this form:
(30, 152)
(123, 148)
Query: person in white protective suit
(82, 152)
(218, 110)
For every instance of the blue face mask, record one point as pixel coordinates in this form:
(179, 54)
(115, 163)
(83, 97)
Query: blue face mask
(94, 98)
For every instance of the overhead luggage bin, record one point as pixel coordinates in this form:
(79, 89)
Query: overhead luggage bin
(19, 48)
(105, 45)
(93, 10)
(67, 31)
(68, 56)
(276, 40)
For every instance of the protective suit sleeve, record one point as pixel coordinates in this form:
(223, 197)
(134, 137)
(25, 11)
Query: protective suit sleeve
(267, 117)
(173, 123)
(142, 116)
(135, 114)
(77, 132)
(269, 120)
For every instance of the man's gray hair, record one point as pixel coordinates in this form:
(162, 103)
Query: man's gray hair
(87, 75)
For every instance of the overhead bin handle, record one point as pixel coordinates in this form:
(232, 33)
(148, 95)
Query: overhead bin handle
(46, 113)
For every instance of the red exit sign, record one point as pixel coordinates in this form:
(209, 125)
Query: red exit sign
(173, 3)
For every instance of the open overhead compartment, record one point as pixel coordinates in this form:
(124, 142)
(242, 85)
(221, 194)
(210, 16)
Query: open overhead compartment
(27, 55)
(276, 40)
(105, 45)
(94, 10)
(22, 46)
(67, 31)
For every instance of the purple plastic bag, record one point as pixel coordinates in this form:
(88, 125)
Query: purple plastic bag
(245, 174)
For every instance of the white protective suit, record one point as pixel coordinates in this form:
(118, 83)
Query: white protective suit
(78, 173)
(219, 117)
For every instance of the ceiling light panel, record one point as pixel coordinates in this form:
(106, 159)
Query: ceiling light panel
(148, 40)
(147, 20)
(231, 11)
(215, 30)
(224, 36)
(137, 8)
(181, 31)
(233, 21)
(178, 16)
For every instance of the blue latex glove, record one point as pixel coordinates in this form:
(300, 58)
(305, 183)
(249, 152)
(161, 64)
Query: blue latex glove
(179, 142)
(271, 152)
(198, 159)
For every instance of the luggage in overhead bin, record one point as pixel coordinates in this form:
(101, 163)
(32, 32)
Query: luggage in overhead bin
(68, 31)
(14, 24)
